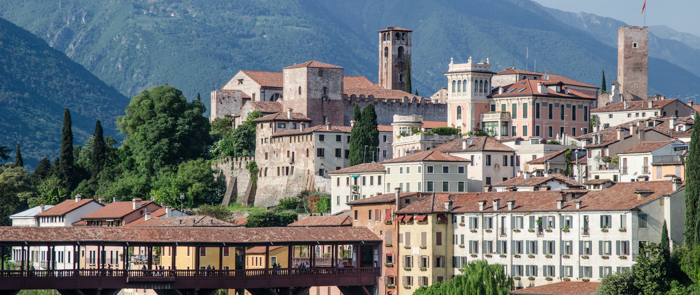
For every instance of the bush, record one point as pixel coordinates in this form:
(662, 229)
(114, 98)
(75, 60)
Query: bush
(445, 131)
(553, 142)
(271, 219)
(288, 203)
(324, 205)
(216, 211)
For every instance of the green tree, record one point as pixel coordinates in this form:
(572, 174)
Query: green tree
(239, 142)
(324, 205)
(650, 271)
(18, 158)
(15, 189)
(445, 131)
(618, 283)
(65, 168)
(416, 94)
(42, 170)
(408, 78)
(220, 127)
(603, 85)
(216, 211)
(370, 133)
(50, 191)
(4, 152)
(98, 151)
(567, 156)
(692, 188)
(477, 277)
(194, 178)
(271, 219)
(356, 138)
(163, 129)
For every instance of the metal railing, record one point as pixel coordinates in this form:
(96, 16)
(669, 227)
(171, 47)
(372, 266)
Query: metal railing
(645, 170)
(187, 273)
(667, 159)
(498, 116)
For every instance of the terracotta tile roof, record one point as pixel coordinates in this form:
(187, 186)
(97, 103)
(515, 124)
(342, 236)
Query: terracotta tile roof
(636, 105)
(385, 128)
(266, 78)
(357, 82)
(81, 222)
(318, 128)
(364, 167)
(185, 221)
(511, 71)
(554, 78)
(529, 87)
(427, 156)
(314, 64)
(66, 207)
(260, 249)
(324, 221)
(546, 158)
(242, 221)
(696, 107)
(158, 213)
(662, 126)
(598, 181)
(380, 199)
(609, 134)
(561, 288)
(282, 116)
(266, 106)
(480, 143)
(534, 180)
(359, 85)
(647, 146)
(434, 124)
(211, 235)
(116, 210)
(619, 197)
(395, 29)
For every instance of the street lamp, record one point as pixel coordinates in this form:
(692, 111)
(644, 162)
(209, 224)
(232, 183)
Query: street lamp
(182, 198)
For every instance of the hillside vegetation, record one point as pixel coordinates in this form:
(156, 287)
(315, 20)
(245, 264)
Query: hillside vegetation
(37, 83)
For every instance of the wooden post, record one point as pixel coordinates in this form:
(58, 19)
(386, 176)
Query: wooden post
(28, 261)
(267, 258)
(196, 259)
(173, 253)
(312, 256)
(221, 258)
(2, 257)
(125, 257)
(150, 256)
(290, 250)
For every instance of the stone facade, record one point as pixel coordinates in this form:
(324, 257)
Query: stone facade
(469, 85)
(226, 102)
(386, 109)
(314, 89)
(633, 62)
(236, 175)
(394, 57)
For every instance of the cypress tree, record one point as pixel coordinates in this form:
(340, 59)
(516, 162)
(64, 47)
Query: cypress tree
(4, 152)
(18, 158)
(98, 151)
(603, 85)
(356, 141)
(664, 239)
(54, 167)
(370, 132)
(408, 78)
(65, 167)
(42, 170)
(198, 98)
(416, 94)
(692, 187)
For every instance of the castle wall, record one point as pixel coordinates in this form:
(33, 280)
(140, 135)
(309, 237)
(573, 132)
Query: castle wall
(225, 102)
(235, 168)
(386, 109)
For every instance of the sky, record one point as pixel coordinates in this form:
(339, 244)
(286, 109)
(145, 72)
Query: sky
(680, 15)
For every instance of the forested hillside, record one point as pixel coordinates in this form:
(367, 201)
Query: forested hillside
(197, 45)
(37, 83)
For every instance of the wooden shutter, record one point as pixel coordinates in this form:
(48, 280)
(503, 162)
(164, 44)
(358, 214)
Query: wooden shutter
(388, 237)
(532, 221)
(617, 247)
(580, 247)
(623, 221)
(423, 238)
(408, 239)
(400, 238)
(438, 238)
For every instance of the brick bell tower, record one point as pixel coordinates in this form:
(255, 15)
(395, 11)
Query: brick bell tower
(394, 57)
(633, 62)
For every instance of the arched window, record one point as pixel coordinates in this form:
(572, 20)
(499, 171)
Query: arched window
(464, 86)
(476, 86)
(386, 51)
(400, 53)
(459, 113)
(299, 90)
(487, 90)
(454, 86)
(398, 36)
(459, 85)
(481, 86)
(403, 36)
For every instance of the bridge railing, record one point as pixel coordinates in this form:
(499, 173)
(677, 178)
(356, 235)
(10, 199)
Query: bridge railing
(187, 273)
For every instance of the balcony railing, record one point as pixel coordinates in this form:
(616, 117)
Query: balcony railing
(415, 138)
(667, 159)
(498, 116)
(624, 170)
(645, 170)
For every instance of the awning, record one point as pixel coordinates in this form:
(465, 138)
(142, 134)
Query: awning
(442, 217)
(388, 215)
(408, 218)
(399, 217)
(421, 217)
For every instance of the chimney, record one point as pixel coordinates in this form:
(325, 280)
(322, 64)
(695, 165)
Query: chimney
(136, 203)
(511, 205)
(541, 88)
(328, 127)
(398, 198)
(640, 130)
(690, 103)
(464, 144)
(560, 204)
(526, 175)
(578, 204)
(651, 104)
(289, 114)
(482, 204)
(620, 133)
(352, 123)
(78, 198)
(102, 201)
(677, 183)
(115, 199)
(626, 105)
(41, 208)
(448, 205)
(168, 211)
(671, 122)
(148, 216)
(500, 90)
(633, 129)
(496, 204)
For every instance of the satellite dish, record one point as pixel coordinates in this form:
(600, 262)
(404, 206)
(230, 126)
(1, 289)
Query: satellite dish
(546, 77)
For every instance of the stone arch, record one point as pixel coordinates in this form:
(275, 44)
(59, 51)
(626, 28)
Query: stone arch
(386, 51)
(487, 90)
(398, 36)
(403, 36)
(454, 86)
(400, 55)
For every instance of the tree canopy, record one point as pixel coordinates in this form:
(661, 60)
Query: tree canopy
(692, 188)
(476, 277)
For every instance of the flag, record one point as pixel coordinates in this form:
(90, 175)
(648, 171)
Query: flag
(643, 7)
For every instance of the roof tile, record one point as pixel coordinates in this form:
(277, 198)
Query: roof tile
(634, 105)
(427, 156)
(314, 64)
(66, 207)
(561, 288)
(324, 221)
(266, 78)
(364, 167)
(480, 143)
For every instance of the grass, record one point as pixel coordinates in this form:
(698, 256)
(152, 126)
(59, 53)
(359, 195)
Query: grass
(237, 207)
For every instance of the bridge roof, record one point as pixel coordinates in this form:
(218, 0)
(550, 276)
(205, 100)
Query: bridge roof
(186, 235)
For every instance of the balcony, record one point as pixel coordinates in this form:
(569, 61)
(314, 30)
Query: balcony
(670, 159)
(495, 117)
(417, 138)
(645, 170)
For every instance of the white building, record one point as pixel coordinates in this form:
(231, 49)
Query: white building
(28, 217)
(428, 171)
(627, 111)
(636, 162)
(529, 183)
(355, 182)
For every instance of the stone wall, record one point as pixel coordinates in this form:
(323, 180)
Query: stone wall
(386, 109)
(225, 102)
(235, 168)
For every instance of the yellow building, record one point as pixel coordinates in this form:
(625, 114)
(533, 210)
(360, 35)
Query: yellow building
(255, 257)
(185, 257)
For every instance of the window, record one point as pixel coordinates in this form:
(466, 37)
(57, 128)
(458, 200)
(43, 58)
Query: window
(438, 240)
(400, 170)
(605, 221)
(473, 223)
(364, 180)
(548, 247)
(505, 161)
(548, 271)
(531, 247)
(347, 154)
(514, 111)
(472, 160)
(537, 130)
(623, 221)
(321, 137)
(488, 160)
(488, 222)
(338, 153)
(202, 251)
(503, 108)
(281, 125)
(567, 247)
(408, 169)
(460, 169)
(586, 271)
(531, 271)
(459, 113)
(524, 130)
(642, 218)
(445, 169)
(573, 131)
(429, 169)
(379, 180)
(460, 186)
(550, 131)
(383, 154)
(227, 251)
(445, 186)
(488, 180)
(474, 247)
(517, 271)
(605, 270)
(585, 248)
(537, 111)
(550, 110)
(419, 169)
(338, 138)
(517, 222)
(525, 110)
(573, 113)
(429, 186)
(320, 152)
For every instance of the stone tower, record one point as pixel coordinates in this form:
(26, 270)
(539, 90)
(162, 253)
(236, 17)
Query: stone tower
(469, 87)
(394, 57)
(315, 89)
(633, 62)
